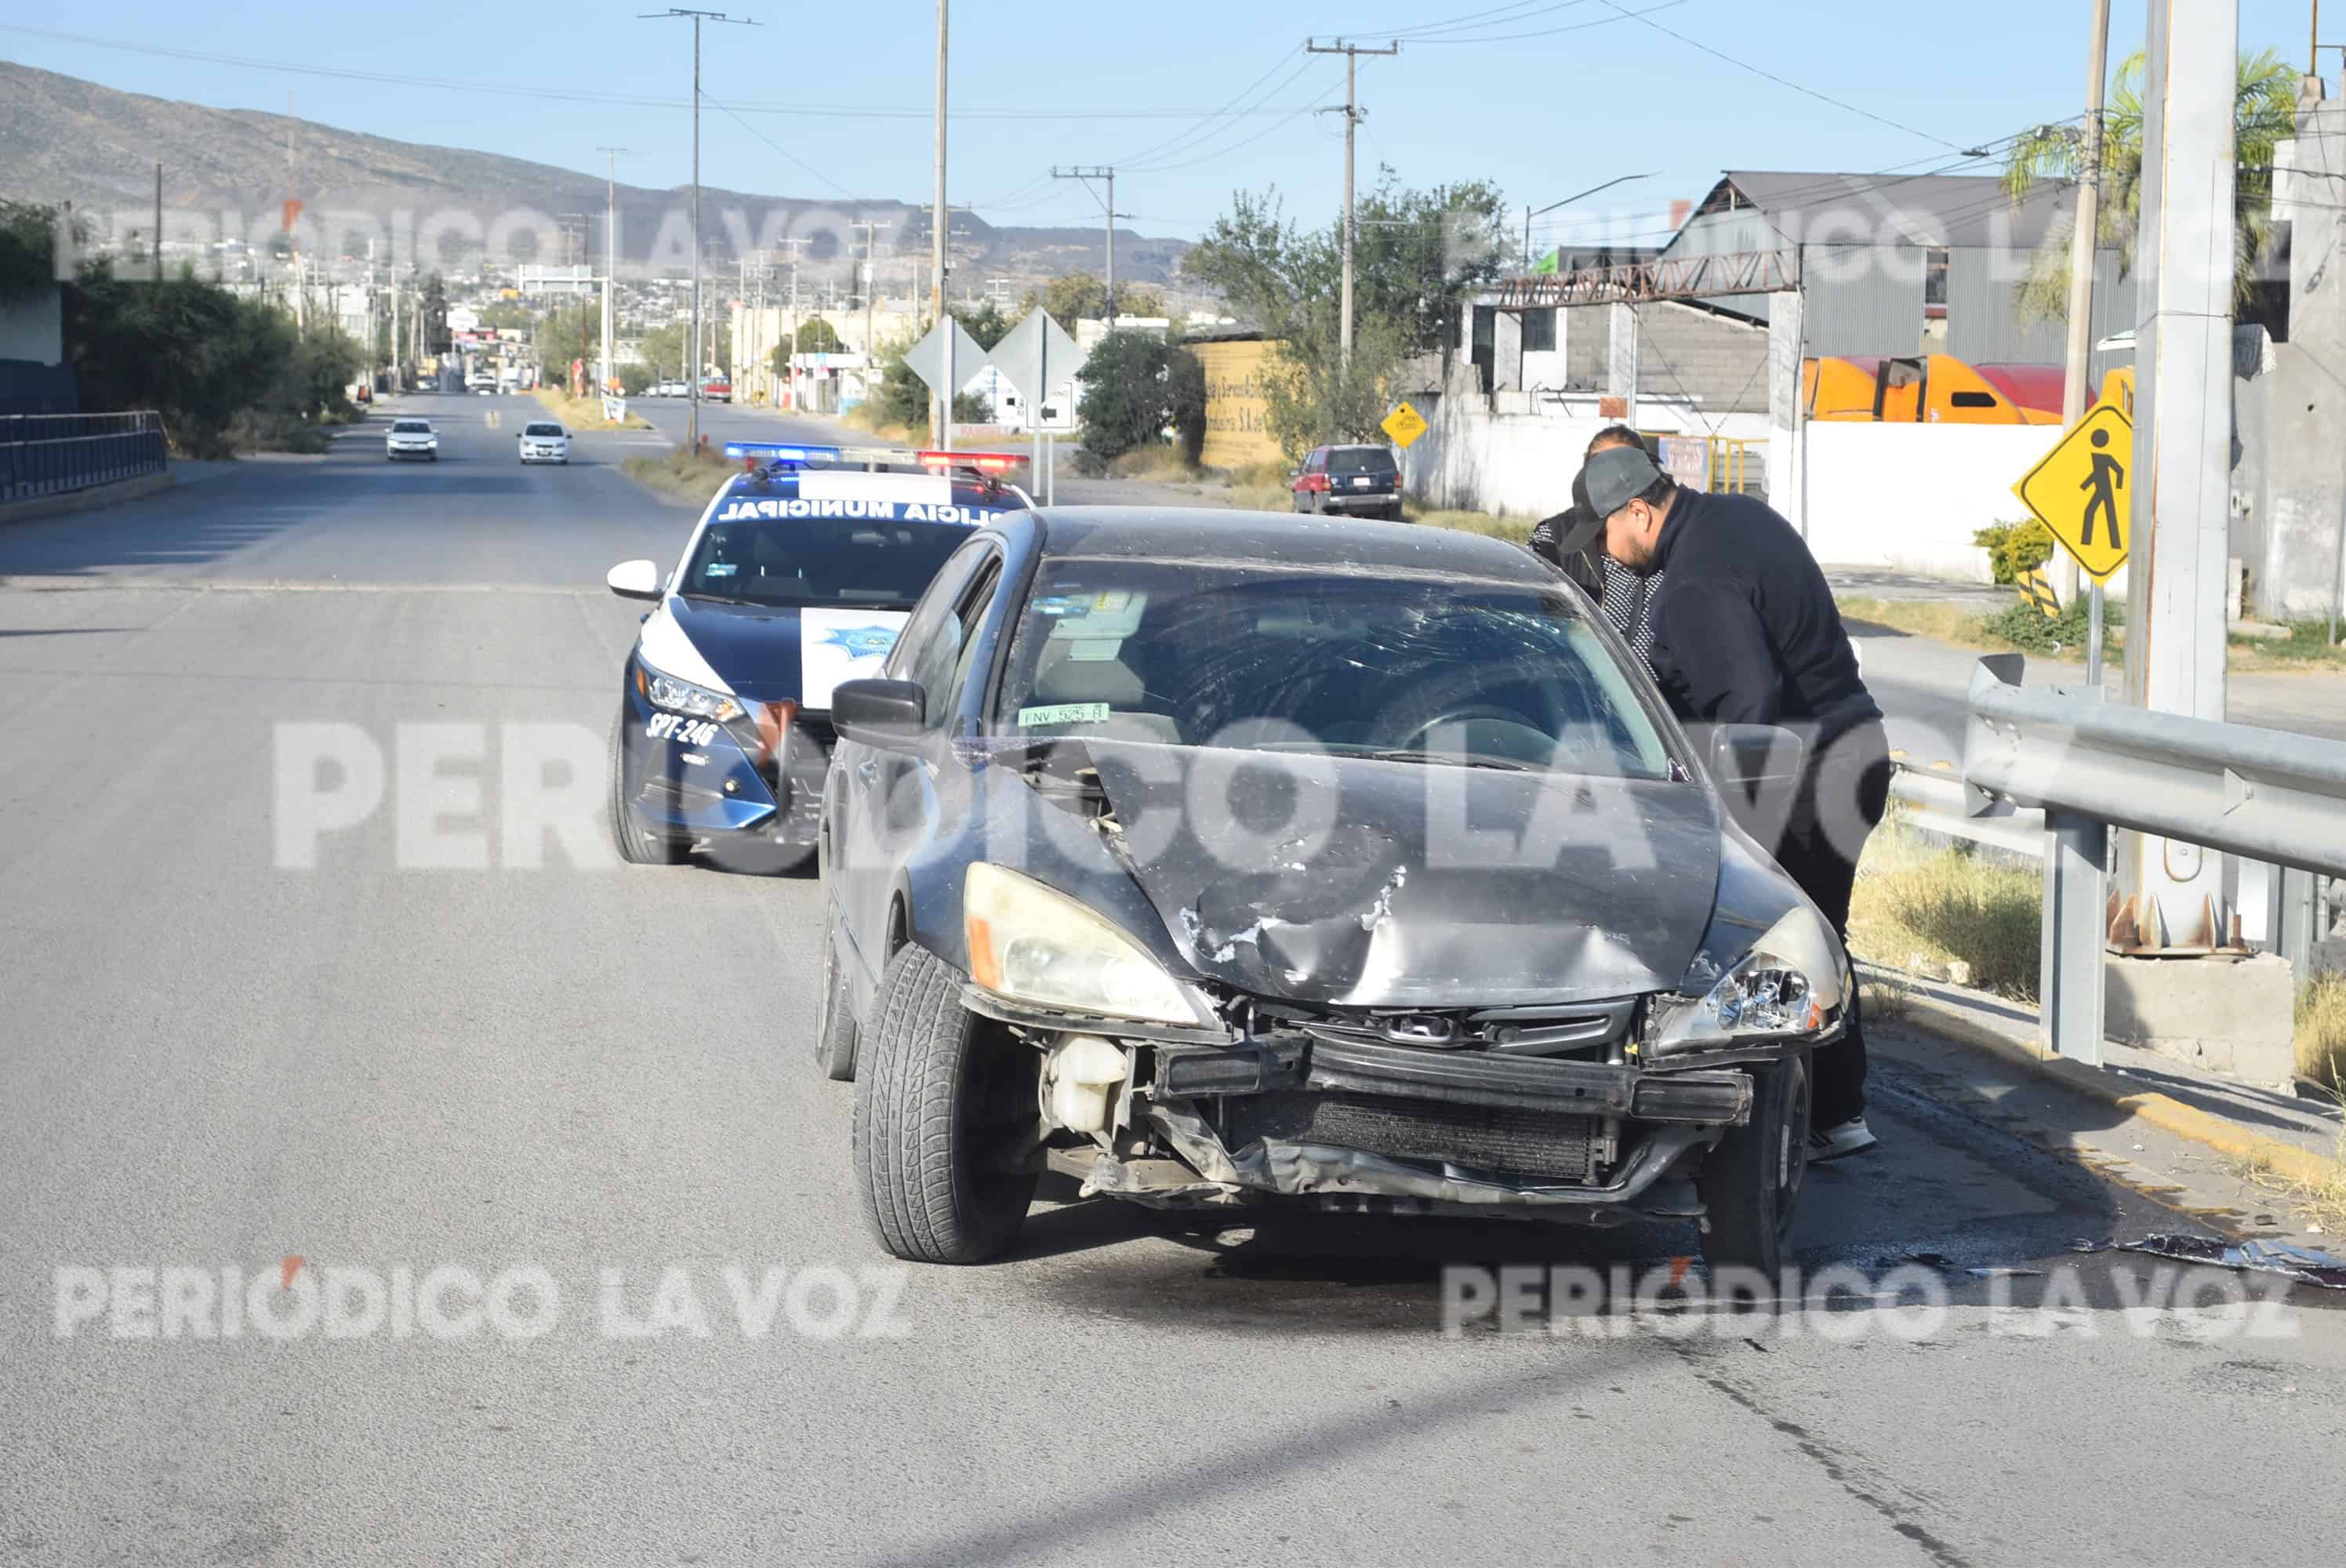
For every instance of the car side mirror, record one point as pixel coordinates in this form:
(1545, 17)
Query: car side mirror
(1749, 758)
(635, 579)
(892, 714)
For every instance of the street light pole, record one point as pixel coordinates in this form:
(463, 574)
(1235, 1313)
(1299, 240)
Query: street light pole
(610, 255)
(2083, 238)
(940, 220)
(692, 377)
(1529, 213)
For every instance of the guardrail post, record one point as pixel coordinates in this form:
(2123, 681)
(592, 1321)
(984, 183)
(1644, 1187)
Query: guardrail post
(2075, 935)
(2296, 932)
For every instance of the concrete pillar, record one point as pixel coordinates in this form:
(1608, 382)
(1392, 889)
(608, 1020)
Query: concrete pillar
(1787, 437)
(1621, 359)
(2181, 482)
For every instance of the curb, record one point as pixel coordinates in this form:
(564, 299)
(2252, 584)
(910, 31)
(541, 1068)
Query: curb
(2161, 1111)
(88, 499)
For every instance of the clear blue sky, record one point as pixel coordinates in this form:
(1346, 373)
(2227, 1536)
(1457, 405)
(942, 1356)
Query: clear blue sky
(1544, 116)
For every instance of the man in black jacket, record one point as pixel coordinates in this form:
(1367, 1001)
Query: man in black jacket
(1746, 632)
(1573, 542)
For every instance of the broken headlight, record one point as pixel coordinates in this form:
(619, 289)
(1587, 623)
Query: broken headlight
(1033, 943)
(1791, 983)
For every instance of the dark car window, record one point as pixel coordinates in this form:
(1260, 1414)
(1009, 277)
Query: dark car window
(789, 561)
(1454, 669)
(929, 649)
(1350, 460)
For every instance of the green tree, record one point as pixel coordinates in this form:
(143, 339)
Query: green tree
(436, 315)
(28, 249)
(568, 332)
(663, 348)
(817, 336)
(1130, 392)
(634, 378)
(2264, 112)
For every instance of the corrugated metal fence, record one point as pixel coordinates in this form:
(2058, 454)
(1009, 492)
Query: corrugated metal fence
(48, 454)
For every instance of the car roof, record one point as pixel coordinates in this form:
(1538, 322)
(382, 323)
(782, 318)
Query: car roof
(1280, 538)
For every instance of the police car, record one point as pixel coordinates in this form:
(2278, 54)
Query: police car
(798, 577)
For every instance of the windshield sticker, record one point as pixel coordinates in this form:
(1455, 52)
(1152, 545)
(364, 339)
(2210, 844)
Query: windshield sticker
(1058, 604)
(720, 568)
(1108, 616)
(745, 510)
(1065, 713)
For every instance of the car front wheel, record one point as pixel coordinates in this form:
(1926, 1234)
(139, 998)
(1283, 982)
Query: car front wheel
(637, 847)
(935, 1097)
(1752, 1182)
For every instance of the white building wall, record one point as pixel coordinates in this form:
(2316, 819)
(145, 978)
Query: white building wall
(1909, 498)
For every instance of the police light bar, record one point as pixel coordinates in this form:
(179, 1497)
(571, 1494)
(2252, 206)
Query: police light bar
(985, 461)
(779, 451)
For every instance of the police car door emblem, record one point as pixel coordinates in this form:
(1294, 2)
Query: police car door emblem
(861, 642)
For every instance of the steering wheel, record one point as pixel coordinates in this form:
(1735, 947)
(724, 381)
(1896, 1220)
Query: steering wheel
(1469, 714)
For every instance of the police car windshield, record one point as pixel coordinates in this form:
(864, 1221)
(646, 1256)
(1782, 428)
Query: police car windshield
(794, 561)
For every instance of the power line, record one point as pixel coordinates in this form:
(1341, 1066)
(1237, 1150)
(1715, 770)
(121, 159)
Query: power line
(1223, 113)
(1552, 32)
(779, 148)
(1771, 76)
(1188, 141)
(560, 95)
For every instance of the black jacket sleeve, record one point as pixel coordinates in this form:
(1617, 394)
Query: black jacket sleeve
(1723, 670)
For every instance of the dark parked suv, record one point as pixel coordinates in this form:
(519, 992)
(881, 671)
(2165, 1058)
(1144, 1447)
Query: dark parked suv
(1360, 480)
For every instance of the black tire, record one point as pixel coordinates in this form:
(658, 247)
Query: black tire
(1752, 1182)
(835, 1040)
(922, 1088)
(637, 847)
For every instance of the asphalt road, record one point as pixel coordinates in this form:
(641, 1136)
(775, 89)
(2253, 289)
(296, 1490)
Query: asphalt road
(218, 1056)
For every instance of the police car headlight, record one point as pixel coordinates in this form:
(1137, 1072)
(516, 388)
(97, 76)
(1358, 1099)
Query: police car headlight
(1791, 983)
(683, 697)
(1033, 943)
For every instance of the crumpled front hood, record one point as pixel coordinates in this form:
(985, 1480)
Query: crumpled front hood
(1427, 886)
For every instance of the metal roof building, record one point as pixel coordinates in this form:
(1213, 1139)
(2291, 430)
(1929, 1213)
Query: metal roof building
(1897, 264)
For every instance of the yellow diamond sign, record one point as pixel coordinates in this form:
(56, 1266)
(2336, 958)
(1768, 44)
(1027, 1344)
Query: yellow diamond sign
(2083, 490)
(1404, 424)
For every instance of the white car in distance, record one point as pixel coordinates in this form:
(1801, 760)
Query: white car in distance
(411, 438)
(542, 440)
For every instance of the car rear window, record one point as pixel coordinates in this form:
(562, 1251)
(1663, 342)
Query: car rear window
(543, 430)
(796, 561)
(1361, 460)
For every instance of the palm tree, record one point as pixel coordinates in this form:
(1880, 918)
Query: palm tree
(2265, 112)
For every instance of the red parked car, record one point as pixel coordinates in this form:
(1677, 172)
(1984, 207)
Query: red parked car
(1363, 481)
(716, 390)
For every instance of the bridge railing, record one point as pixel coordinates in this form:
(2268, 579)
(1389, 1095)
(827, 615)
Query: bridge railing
(51, 454)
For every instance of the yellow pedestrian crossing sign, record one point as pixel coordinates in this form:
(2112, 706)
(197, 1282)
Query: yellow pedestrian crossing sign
(2083, 488)
(1404, 424)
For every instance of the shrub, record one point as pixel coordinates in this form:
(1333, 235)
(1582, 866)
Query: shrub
(2015, 547)
(2028, 629)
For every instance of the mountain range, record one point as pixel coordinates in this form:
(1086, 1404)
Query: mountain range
(64, 140)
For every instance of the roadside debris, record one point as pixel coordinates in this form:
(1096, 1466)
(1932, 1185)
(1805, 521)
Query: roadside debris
(2299, 1263)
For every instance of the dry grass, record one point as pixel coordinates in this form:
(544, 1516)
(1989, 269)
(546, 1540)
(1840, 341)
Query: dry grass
(680, 472)
(2307, 649)
(583, 413)
(2322, 1030)
(1162, 465)
(865, 417)
(1935, 619)
(1917, 906)
(1513, 530)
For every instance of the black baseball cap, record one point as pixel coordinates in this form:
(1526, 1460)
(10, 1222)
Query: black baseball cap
(1614, 477)
(1579, 527)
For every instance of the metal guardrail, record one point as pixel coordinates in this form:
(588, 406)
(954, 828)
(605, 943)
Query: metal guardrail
(51, 454)
(1936, 802)
(2263, 795)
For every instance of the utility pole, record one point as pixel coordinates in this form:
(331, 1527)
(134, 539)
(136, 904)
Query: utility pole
(610, 253)
(2179, 489)
(692, 378)
(1108, 173)
(940, 220)
(790, 341)
(1353, 115)
(2084, 243)
(871, 285)
(158, 223)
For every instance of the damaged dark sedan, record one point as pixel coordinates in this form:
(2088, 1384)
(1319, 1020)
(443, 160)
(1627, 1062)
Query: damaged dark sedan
(1227, 859)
